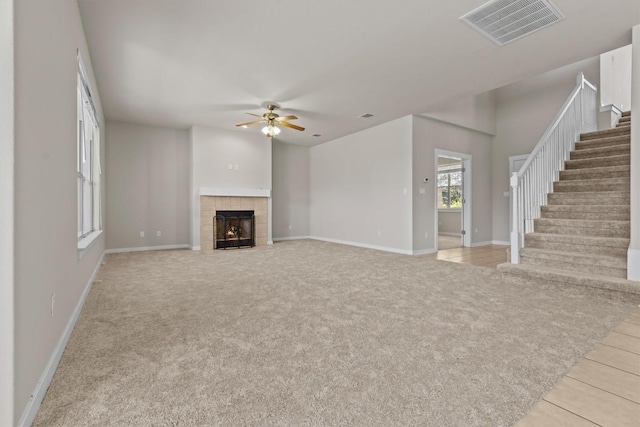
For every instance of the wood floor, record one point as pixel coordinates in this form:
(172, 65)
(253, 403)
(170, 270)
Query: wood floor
(602, 390)
(482, 256)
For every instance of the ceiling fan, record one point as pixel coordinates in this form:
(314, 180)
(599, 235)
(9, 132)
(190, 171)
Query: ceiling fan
(272, 119)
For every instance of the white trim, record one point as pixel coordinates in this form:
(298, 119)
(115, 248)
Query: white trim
(269, 242)
(364, 245)
(490, 242)
(467, 163)
(450, 234)
(234, 192)
(284, 239)
(445, 210)
(30, 411)
(195, 248)
(148, 248)
(425, 252)
(86, 241)
(633, 265)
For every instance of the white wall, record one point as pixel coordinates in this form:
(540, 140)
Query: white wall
(476, 112)
(361, 188)
(290, 191)
(524, 112)
(147, 182)
(429, 135)
(449, 222)
(213, 151)
(6, 214)
(47, 35)
(615, 78)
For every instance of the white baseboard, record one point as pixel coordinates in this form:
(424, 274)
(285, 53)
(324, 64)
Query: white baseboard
(30, 411)
(450, 234)
(364, 245)
(490, 242)
(150, 248)
(425, 251)
(285, 239)
(633, 265)
(195, 248)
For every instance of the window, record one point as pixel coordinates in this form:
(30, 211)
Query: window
(88, 164)
(450, 187)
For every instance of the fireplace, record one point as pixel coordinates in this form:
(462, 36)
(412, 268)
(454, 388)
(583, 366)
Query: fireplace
(234, 229)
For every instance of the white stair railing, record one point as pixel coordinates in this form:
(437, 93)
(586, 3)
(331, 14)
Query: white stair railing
(535, 179)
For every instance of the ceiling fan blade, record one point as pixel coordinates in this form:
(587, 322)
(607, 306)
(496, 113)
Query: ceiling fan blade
(292, 126)
(255, 115)
(250, 123)
(286, 118)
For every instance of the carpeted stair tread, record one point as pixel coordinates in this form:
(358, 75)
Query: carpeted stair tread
(592, 185)
(611, 246)
(592, 212)
(600, 152)
(596, 173)
(542, 275)
(588, 197)
(604, 142)
(616, 160)
(603, 133)
(573, 261)
(626, 113)
(609, 228)
(624, 119)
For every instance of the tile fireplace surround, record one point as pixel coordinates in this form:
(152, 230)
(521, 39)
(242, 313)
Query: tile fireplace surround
(210, 204)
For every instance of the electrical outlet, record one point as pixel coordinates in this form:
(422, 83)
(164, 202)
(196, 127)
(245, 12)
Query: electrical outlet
(476, 230)
(290, 227)
(142, 234)
(237, 167)
(53, 303)
(230, 166)
(426, 235)
(158, 233)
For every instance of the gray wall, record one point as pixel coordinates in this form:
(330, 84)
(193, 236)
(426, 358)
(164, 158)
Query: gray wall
(147, 186)
(47, 35)
(429, 135)
(361, 188)
(477, 112)
(290, 196)
(615, 77)
(525, 111)
(213, 151)
(6, 213)
(449, 222)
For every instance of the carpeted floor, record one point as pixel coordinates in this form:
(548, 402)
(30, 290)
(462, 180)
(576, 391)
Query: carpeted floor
(310, 333)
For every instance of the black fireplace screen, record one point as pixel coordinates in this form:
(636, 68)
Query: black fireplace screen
(234, 229)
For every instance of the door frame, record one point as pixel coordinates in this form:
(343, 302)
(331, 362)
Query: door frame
(466, 194)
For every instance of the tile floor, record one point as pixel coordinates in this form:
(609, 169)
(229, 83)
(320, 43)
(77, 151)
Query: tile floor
(601, 390)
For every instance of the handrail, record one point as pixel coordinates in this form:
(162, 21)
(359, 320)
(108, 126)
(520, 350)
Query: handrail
(532, 183)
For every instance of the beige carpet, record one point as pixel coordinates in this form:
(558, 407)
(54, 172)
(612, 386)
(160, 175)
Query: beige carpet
(310, 333)
(448, 242)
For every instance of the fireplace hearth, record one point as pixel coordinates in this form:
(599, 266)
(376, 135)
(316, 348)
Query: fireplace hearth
(234, 229)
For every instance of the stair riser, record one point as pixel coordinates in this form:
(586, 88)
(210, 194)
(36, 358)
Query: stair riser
(623, 160)
(594, 153)
(582, 231)
(604, 134)
(578, 174)
(603, 143)
(612, 216)
(581, 249)
(582, 268)
(555, 199)
(569, 187)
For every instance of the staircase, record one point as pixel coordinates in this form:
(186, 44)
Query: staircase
(583, 233)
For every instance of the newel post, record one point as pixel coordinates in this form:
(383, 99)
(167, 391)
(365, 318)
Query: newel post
(515, 221)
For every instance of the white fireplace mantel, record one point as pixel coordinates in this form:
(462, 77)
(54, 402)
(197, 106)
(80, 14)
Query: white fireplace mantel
(235, 192)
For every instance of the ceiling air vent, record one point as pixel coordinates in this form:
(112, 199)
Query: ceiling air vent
(503, 21)
(365, 116)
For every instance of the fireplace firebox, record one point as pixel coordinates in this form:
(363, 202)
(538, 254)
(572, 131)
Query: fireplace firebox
(234, 229)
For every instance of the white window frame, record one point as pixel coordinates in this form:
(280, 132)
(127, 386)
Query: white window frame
(445, 170)
(88, 171)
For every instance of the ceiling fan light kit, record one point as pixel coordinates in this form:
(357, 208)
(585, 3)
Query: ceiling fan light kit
(272, 119)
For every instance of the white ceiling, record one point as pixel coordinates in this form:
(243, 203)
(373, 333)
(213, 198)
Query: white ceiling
(177, 63)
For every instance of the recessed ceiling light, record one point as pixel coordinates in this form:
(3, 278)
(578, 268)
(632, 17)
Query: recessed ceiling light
(365, 116)
(244, 126)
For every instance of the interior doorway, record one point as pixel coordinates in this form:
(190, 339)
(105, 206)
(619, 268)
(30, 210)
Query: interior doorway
(453, 200)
